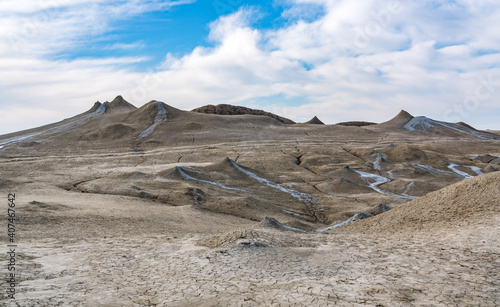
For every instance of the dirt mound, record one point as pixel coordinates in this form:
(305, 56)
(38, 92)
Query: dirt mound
(264, 237)
(356, 124)
(485, 158)
(146, 113)
(460, 204)
(345, 186)
(314, 121)
(466, 125)
(426, 125)
(119, 105)
(398, 121)
(94, 108)
(226, 109)
(411, 153)
(403, 153)
(489, 169)
(378, 209)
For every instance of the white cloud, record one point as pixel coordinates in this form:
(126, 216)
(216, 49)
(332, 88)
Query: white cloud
(352, 62)
(122, 46)
(36, 27)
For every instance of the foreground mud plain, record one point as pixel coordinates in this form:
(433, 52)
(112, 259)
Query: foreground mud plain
(182, 221)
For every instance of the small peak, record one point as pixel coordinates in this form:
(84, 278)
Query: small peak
(403, 113)
(94, 108)
(315, 121)
(398, 121)
(225, 163)
(119, 104)
(154, 105)
(118, 101)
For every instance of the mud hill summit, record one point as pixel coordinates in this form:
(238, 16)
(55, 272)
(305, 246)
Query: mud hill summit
(314, 121)
(122, 125)
(422, 124)
(398, 121)
(117, 105)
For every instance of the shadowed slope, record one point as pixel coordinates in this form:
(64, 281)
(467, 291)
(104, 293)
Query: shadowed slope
(314, 121)
(398, 121)
(459, 204)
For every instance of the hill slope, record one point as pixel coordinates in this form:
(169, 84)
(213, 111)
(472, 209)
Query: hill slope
(459, 204)
(422, 124)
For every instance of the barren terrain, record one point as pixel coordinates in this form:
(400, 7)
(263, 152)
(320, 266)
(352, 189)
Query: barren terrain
(122, 206)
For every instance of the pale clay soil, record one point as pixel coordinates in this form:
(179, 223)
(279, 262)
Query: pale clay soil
(87, 249)
(169, 221)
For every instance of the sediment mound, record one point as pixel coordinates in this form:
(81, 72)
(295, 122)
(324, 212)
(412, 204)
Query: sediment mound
(119, 105)
(466, 125)
(485, 158)
(378, 209)
(314, 121)
(356, 124)
(346, 174)
(398, 121)
(430, 126)
(263, 237)
(460, 204)
(226, 109)
(489, 169)
(94, 108)
(147, 113)
(404, 153)
(413, 154)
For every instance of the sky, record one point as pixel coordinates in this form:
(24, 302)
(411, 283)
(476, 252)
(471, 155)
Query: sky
(340, 60)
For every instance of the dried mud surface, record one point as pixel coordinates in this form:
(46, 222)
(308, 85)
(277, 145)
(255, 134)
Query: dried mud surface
(178, 217)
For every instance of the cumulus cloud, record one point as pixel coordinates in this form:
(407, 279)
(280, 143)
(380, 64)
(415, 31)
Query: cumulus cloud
(341, 60)
(352, 62)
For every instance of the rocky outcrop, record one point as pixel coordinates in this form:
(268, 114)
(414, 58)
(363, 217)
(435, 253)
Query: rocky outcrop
(226, 109)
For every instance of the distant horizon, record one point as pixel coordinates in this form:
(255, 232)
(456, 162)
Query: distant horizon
(318, 116)
(338, 60)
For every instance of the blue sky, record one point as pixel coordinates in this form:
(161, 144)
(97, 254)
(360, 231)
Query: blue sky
(338, 59)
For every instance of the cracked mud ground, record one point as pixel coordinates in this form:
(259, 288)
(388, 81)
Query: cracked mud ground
(341, 270)
(91, 249)
(180, 221)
